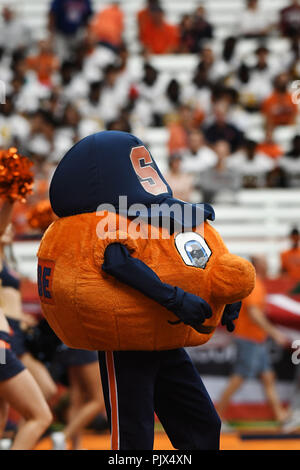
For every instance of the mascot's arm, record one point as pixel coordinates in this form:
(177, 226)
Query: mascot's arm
(231, 313)
(118, 262)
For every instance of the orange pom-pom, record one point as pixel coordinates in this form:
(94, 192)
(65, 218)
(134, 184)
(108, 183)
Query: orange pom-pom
(16, 179)
(41, 215)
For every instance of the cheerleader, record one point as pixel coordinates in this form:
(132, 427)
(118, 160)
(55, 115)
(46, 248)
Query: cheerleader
(18, 388)
(12, 307)
(86, 402)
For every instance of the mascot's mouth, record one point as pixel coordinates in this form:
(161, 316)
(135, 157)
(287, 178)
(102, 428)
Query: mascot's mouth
(204, 329)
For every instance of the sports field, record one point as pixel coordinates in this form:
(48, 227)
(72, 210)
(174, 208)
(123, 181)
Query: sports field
(247, 438)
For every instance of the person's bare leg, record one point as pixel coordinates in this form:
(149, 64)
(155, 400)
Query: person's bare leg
(268, 381)
(234, 383)
(24, 395)
(41, 376)
(87, 379)
(4, 407)
(77, 401)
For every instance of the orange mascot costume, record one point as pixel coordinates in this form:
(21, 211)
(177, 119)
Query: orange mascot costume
(130, 271)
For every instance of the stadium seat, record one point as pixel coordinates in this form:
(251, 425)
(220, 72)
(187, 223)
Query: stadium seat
(156, 136)
(284, 134)
(175, 63)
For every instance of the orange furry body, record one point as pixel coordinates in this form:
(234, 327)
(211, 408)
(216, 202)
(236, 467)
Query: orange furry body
(89, 309)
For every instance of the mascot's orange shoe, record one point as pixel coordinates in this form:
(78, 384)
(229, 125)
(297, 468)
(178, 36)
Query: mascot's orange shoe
(90, 309)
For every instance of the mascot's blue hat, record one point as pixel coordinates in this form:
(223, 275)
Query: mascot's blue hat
(102, 167)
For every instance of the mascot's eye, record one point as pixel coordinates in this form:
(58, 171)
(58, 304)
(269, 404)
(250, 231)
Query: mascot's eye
(193, 249)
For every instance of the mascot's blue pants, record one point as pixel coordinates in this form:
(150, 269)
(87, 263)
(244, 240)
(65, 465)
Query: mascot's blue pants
(138, 383)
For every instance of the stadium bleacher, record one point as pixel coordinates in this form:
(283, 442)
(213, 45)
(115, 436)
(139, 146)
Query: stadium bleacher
(260, 220)
(223, 14)
(259, 223)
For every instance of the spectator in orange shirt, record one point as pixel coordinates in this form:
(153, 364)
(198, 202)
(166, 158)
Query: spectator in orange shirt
(45, 63)
(144, 16)
(269, 146)
(290, 259)
(253, 359)
(108, 25)
(180, 129)
(158, 36)
(279, 108)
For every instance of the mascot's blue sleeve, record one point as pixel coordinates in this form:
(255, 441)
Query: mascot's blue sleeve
(118, 262)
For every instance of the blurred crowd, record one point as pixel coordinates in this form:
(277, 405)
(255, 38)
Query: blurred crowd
(81, 78)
